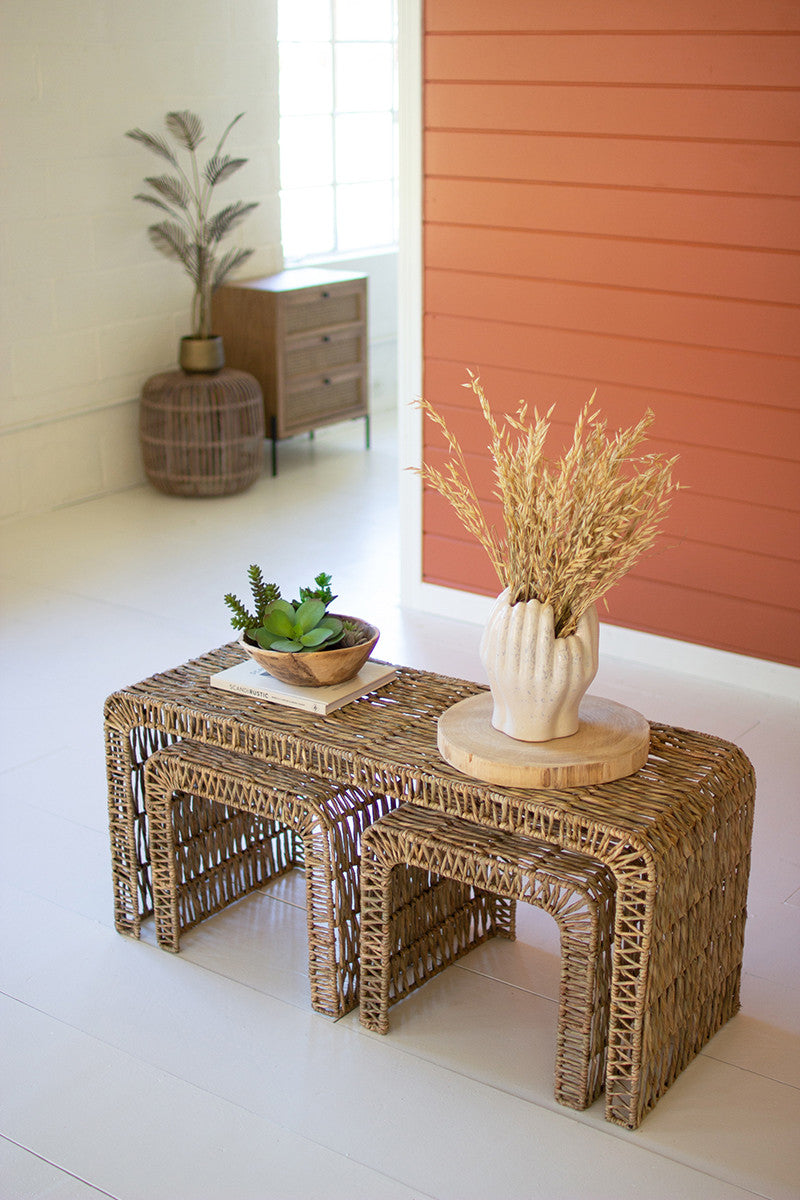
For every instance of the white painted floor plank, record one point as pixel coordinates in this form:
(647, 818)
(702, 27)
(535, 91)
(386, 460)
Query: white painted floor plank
(33, 1178)
(140, 1131)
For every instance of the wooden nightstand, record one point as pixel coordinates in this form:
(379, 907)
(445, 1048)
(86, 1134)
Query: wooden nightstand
(303, 335)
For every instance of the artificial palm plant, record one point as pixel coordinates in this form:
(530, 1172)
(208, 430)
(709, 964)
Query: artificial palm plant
(190, 232)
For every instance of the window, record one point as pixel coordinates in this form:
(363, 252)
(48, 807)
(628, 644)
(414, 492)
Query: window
(338, 126)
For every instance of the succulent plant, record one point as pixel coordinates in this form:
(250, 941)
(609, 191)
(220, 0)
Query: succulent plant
(294, 627)
(297, 628)
(263, 595)
(321, 592)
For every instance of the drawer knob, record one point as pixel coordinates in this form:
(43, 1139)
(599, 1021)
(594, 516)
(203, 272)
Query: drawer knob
(326, 382)
(325, 295)
(326, 337)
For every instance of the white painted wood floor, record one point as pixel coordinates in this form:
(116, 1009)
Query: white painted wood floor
(129, 1072)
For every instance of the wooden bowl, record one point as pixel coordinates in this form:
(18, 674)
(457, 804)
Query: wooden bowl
(316, 668)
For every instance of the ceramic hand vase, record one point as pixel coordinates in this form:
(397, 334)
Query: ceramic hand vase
(537, 680)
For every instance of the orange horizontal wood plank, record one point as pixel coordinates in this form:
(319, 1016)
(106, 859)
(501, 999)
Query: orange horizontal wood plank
(624, 312)
(735, 574)
(774, 433)
(762, 629)
(623, 15)
(621, 110)
(689, 59)
(616, 262)
(739, 222)
(769, 482)
(608, 360)
(710, 520)
(757, 628)
(736, 168)
(724, 570)
(458, 564)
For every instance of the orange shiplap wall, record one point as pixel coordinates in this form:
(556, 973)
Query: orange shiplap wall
(612, 201)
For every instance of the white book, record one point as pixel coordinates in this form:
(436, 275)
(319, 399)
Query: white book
(249, 679)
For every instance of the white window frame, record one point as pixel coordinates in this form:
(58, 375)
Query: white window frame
(350, 252)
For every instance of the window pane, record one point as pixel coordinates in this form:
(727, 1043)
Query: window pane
(338, 140)
(364, 20)
(364, 77)
(364, 215)
(304, 20)
(364, 147)
(306, 151)
(307, 222)
(306, 78)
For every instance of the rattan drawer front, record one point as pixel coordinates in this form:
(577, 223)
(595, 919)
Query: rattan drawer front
(323, 308)
(325, 400)
(323, 353)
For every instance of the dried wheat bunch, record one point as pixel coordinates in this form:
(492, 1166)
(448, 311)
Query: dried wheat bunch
(573, 527)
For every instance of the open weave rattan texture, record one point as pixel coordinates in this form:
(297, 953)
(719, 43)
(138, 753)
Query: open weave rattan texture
(202, 435)
(676, 836)
(222, 825)
(403, 945)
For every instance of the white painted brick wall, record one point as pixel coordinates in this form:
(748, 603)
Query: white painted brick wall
(88, 310)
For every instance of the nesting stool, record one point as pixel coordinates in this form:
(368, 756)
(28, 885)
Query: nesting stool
(401, 948)
(223, 825)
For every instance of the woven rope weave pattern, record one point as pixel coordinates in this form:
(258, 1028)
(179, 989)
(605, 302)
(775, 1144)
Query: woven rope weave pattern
(676, 836)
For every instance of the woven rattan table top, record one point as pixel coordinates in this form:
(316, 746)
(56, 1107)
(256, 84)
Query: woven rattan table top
(676, 836)
(394, 730)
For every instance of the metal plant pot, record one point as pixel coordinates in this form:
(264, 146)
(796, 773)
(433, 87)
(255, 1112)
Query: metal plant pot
(202, 356)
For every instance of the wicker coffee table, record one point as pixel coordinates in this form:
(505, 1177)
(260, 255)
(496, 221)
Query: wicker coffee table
(676, 836)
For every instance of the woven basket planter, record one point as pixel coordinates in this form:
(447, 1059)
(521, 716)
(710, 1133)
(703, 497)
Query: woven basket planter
(202, 435)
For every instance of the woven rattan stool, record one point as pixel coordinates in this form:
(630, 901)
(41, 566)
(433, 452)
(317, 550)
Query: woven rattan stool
(401, 947)
(202, 435)
(222, 825)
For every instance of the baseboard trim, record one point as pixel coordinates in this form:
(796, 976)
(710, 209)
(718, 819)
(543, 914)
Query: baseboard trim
(647, 649)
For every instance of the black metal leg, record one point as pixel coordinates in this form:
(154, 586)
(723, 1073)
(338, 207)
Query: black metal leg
(273, 431)
(366, 431)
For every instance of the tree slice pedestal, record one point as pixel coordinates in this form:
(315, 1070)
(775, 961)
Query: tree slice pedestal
(612, 741)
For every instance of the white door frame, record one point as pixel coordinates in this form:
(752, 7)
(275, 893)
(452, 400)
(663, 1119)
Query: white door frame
(410, 297)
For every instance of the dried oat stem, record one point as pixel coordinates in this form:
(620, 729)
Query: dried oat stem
(573, 527)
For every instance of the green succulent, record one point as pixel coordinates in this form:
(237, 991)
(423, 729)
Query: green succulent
(298, 628)
(322, 591)
(277, 624)
(263, 593)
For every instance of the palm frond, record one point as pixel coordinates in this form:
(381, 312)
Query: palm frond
(224, 137)
(154, 143)
(171, 240)
(172, 189)
(186, 127)
(222, 222)
(221, 167)
(197, 263)
(229, 262)
(154, 200)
